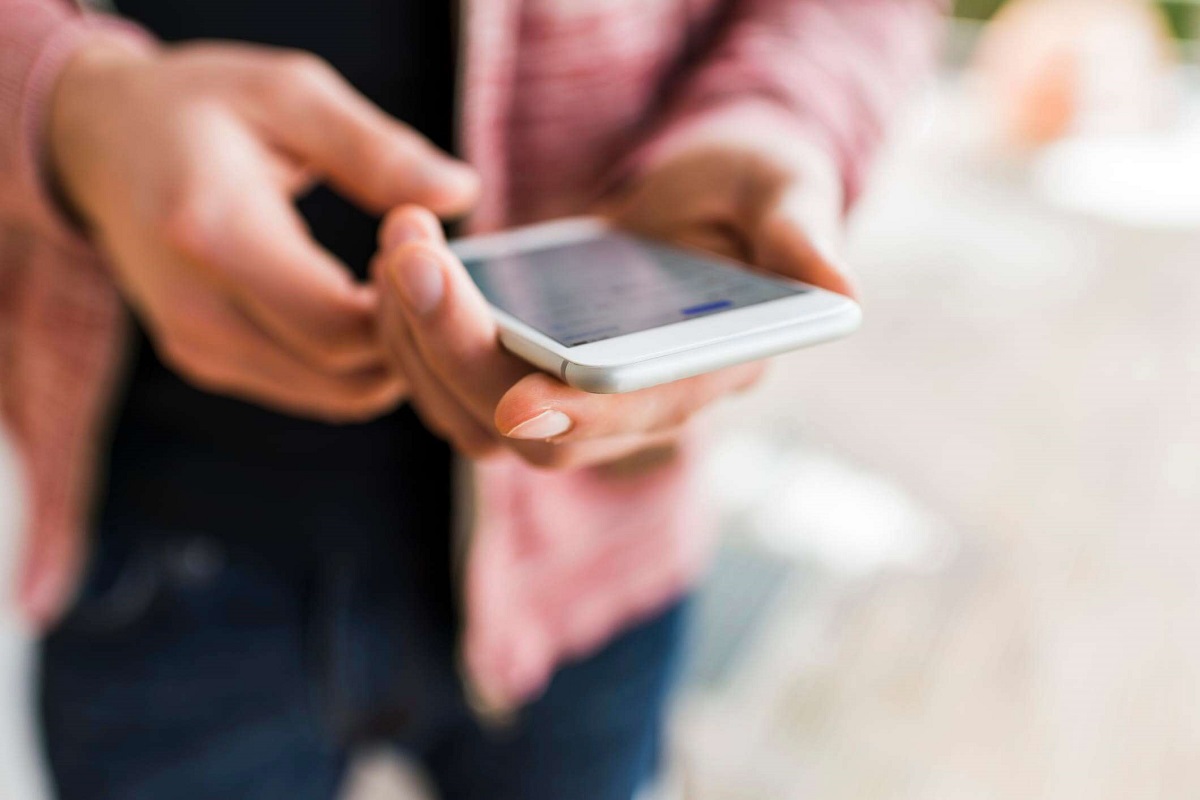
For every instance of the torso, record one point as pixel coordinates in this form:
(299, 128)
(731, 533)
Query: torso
(242, 462)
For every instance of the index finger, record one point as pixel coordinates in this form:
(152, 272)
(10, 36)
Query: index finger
(259, 248)
(373, 158)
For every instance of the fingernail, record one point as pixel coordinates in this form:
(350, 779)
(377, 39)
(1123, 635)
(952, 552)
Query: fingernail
(418, 278)
(545, 425)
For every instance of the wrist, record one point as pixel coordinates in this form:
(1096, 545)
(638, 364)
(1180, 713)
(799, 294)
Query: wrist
(78, 104)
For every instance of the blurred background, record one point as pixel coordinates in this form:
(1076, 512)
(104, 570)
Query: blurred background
(961, 552)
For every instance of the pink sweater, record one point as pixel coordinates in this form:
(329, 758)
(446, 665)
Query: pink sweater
(556, 92)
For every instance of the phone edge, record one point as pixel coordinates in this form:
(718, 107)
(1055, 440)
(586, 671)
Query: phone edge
(699, 361)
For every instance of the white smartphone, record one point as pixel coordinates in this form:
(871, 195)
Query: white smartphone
(609, 312)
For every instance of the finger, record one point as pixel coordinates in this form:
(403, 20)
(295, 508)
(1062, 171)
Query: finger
(452, 327)
(714, 237)
(795, 238)
(621, 455)
(50, 567)
(296, 180)
(230, 356)
(371, 157)
(256, 245)
(438, 408)
(441, 411)
(409, 223)
(443, 414)
(540, 407)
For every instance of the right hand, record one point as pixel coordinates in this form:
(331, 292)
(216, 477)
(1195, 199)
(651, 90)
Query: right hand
(184, 164)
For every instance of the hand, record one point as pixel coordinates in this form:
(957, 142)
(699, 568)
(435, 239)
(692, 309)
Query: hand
(184, 165)
(777, 210)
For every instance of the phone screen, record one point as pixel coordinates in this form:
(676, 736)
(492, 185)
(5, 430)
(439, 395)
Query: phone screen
(614, 285)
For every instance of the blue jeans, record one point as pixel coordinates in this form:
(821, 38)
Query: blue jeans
(202, 662)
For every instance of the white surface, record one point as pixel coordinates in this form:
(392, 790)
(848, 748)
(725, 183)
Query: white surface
(822, 509)
(19, 773)
(1029, 377)
(1150, 181)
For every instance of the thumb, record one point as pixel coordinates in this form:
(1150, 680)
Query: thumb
(371, 157)
(452, 326)
(800, 238)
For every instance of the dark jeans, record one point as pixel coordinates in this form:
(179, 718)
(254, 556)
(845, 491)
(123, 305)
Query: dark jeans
(236, 657)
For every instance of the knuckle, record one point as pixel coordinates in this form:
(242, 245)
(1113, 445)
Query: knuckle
(337, 358)
(306, 71)
(191, 224)
(260, 82)
(299, 82)
(677, 417)
(194, 364)
(377, 187)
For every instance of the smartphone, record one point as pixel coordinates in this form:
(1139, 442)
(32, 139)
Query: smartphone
(609, 312)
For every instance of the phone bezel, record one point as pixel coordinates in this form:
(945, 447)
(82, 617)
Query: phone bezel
(654, 343)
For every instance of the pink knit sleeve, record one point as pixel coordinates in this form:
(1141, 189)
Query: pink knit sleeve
(830, 70)
(37, 38)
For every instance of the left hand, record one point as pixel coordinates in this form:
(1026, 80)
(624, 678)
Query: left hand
(777, 211)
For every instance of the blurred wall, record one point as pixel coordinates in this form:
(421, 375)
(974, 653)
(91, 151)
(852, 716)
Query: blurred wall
(19, 776)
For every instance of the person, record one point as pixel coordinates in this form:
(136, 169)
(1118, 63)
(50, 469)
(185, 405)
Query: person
(238, 404)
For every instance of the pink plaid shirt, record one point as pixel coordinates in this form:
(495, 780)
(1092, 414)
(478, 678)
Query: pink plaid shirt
(556, 93)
